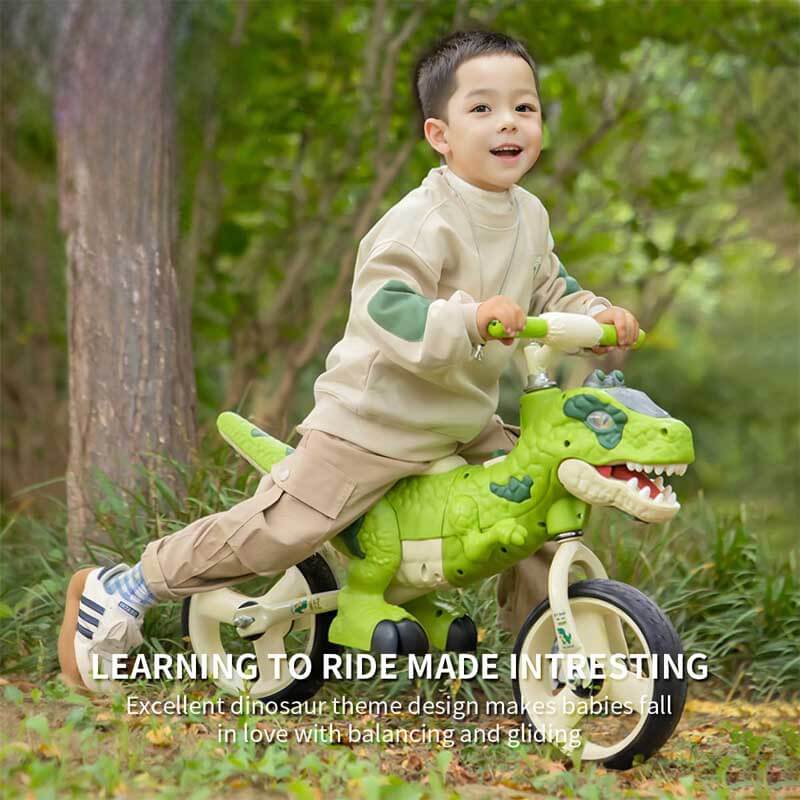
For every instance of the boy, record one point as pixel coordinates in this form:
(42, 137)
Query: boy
(413, 378)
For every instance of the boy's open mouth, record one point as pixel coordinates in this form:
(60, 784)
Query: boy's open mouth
(507, 153)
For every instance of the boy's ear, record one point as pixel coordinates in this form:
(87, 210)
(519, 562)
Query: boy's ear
(436, 134)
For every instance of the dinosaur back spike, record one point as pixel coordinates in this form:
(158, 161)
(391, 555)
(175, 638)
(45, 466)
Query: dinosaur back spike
(255, 446)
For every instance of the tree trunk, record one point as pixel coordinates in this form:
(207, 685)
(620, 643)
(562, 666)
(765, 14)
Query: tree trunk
(131, 381)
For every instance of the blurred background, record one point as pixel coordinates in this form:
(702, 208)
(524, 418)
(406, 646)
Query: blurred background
(251, 145)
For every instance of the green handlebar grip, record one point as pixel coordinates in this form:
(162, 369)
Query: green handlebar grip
(609, 336)
(534, 328)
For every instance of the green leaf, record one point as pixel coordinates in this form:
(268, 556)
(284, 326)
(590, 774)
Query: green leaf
(13, 695)
(38, 724)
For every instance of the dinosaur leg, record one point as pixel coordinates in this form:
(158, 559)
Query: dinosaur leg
(446, 631)
(365, 620)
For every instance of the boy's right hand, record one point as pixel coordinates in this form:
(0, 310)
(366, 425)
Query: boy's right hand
(505, 310)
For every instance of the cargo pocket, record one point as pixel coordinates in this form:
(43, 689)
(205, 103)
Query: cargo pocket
(314, 482)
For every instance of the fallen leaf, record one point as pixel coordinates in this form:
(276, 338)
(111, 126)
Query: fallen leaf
(774, 774)
(412, 763)
(49, 751)
(160, 737)
(197, 729)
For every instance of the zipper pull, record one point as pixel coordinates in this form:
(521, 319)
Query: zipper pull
(477, 351)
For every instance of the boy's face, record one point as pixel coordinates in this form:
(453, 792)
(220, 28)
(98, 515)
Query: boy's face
(495, 103)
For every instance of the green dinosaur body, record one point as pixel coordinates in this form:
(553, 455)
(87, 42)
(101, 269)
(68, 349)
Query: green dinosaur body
(451, 529)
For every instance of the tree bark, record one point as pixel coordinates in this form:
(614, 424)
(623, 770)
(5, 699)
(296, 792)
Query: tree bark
(131, 381)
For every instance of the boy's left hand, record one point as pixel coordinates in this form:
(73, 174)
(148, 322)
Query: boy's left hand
(626, 324)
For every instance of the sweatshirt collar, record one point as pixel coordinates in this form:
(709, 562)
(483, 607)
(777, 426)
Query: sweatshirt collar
(490, 209)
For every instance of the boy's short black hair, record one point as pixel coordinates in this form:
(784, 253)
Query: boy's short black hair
(434, 76)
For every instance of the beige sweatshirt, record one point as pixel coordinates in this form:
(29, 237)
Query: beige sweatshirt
(403, 381)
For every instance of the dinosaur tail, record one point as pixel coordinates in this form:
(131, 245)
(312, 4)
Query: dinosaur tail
(255, 446)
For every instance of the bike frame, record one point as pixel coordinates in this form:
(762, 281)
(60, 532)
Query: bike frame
(256, 619)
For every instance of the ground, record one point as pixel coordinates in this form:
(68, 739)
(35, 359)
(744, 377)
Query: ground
(59, 743)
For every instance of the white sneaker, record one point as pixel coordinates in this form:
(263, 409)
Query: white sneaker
(106, 624)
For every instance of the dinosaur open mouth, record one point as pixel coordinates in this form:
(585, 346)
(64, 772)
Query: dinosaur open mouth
(646, 479)
(637, 489)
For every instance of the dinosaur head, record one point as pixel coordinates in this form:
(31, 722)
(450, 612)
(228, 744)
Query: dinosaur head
(613, 446)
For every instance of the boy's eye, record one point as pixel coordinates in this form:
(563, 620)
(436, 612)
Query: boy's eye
(524, 105)
(482, 105)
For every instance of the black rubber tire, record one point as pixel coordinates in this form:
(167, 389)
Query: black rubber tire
(320, 578)
(661, 638)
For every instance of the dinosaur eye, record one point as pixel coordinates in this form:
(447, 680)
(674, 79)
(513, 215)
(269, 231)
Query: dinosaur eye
(600, 421)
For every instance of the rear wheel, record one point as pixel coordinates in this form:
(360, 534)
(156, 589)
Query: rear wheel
(632, 708)
(207, 623)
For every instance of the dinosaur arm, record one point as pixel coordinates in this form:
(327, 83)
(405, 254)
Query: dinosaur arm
(479, 544)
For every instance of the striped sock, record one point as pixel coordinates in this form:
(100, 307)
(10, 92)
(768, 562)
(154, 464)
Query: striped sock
(132, 586)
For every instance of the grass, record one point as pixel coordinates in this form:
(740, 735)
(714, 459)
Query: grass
(61, 744)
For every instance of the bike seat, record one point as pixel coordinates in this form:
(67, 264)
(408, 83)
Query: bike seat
(444, 465)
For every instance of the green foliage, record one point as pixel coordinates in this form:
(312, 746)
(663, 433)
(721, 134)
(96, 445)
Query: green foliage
(671, 169)
(33, 572)
(728, 596)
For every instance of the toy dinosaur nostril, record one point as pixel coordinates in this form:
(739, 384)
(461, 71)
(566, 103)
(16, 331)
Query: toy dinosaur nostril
(664, 432)
(566, 443)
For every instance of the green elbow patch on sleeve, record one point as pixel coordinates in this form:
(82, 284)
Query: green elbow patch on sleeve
(397, 308)
(572, 285)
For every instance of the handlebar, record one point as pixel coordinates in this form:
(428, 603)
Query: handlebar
(563, 331)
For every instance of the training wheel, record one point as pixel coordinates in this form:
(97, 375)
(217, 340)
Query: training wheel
(208, 624)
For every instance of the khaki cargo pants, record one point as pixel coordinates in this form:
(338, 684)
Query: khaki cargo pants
(309, 497)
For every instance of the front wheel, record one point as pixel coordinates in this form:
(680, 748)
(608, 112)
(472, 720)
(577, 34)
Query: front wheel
(207, 624)
(633, 705)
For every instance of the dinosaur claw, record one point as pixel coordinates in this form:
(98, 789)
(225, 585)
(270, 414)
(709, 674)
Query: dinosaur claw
(462, 636)
(399, 638)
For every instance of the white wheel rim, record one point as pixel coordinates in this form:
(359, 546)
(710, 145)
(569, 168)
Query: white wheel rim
(590, 614)
(209, 611)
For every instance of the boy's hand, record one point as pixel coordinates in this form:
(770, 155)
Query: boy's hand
(505, 310)
(626, 324)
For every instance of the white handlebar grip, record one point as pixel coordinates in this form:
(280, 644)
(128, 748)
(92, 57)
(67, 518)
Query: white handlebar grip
(571, 332)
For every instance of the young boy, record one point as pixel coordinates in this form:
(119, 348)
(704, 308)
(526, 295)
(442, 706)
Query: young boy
(413, 378)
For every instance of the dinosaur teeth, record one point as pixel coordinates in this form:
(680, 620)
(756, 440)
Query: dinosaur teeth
(644, 492)
(657, 469)
(633, 484)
